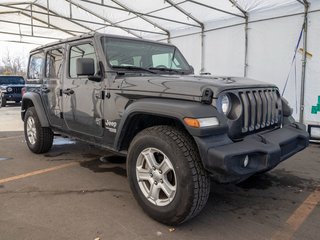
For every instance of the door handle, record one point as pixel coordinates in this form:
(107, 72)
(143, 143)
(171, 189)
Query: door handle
(45, 90)
(68, 91)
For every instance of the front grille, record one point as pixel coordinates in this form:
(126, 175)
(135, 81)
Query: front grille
(15, 90)
(261, 108)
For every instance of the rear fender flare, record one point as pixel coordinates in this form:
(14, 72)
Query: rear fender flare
(38, 105)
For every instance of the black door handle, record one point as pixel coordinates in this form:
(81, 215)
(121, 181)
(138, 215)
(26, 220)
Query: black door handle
(68, 91)
(45, 90)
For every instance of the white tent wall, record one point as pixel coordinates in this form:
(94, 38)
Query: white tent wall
(270, 53)
(224, 51)
(312, 86)
(190, 46)
(271, 45)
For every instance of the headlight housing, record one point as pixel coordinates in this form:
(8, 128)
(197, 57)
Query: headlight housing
(3, 90)
(229, 104)
(225, 104)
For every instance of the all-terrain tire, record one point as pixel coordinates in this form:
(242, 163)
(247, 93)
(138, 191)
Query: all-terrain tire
(192, 180)
(40, 139)
(3, 102)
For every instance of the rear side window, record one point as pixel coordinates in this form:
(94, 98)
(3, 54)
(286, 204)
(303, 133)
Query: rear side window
(54, 60)
(80, 51)
(36, 66)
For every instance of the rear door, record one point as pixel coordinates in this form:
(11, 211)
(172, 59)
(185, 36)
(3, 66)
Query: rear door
(82, 98)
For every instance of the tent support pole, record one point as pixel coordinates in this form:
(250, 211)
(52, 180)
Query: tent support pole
(202, 69)
(31, 19)
(304, 61)
(48, 7)
(201, 25)
(246, 44)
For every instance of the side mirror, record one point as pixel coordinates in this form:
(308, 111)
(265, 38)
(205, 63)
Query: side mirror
(85, 67)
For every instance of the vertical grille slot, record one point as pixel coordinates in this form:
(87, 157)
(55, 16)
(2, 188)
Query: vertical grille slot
(266, 92)
(253, 112)
(275, 107)
(259, 108)
(264, 109)
(246, 106)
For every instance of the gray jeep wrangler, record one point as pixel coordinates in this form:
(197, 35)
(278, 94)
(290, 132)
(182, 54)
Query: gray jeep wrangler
(140, 99)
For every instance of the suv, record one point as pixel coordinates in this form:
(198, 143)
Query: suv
(10, 89)
(140, 99)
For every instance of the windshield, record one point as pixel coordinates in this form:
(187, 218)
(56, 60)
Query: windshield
(135, 55)
(7, 80)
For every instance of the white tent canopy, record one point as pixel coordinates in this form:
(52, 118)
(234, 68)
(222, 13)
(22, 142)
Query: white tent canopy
(254, 38)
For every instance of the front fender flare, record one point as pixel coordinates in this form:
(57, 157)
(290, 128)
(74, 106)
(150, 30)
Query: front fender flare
(171, 108)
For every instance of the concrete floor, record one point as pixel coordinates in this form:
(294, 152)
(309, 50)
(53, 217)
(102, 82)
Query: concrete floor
(69, 193)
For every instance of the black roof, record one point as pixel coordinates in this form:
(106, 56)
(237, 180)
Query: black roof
(91, 35)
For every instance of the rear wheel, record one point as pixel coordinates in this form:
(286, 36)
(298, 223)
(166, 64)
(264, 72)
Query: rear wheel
(166, 175)
(39, 139)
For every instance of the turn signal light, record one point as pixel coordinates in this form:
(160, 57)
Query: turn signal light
(201, 122)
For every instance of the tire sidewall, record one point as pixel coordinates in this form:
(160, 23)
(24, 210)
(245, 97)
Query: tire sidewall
(182, 201)
(31, 113)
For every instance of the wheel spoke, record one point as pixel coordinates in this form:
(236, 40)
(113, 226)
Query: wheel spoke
(143, 174)
(167, 188)
(154, 192)
(149, 157)
(165, 165)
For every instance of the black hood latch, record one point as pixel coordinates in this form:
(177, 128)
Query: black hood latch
(207, 96)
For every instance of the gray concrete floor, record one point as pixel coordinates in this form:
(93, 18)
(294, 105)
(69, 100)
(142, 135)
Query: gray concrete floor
(90, 199)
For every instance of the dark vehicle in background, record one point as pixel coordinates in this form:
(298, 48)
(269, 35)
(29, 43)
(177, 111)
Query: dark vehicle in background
(141, 99)
(10, 89)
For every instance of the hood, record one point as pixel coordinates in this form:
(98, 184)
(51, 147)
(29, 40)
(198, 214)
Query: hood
(189, 85)
(11, 85)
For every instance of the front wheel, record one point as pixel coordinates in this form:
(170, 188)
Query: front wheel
(166, 174)
(3, 101)
(39, 139)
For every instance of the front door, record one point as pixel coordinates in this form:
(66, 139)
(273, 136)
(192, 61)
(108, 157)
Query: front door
(82, 102)
(52, 85)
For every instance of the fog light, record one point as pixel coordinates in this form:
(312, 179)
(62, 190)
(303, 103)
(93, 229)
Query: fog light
(246, 161)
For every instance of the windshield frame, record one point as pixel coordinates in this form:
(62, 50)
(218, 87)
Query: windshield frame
(170, 71)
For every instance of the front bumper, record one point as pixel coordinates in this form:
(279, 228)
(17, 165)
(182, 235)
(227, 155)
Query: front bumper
(224, 159)
(12, 96)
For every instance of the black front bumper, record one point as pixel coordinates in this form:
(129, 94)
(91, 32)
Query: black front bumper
(224, 159)
(13, 96)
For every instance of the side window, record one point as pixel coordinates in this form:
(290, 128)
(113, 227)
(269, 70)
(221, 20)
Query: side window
(80, 51)
(54, 63)
(36, 65)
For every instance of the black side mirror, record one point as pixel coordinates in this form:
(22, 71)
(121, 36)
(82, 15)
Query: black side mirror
(85, 67)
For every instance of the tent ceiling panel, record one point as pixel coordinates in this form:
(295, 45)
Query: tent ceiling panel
(258, 5)
(154, 19)
(117, 16)
(171, 13)
(206, 14)
(145, 6)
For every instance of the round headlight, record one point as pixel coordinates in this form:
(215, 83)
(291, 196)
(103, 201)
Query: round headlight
(225, 104)
(9, 89)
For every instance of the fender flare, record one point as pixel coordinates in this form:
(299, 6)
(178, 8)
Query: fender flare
(174, 109)
(38, 105)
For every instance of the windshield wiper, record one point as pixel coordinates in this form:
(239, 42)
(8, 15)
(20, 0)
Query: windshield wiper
(166, 69)
(135, 68)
